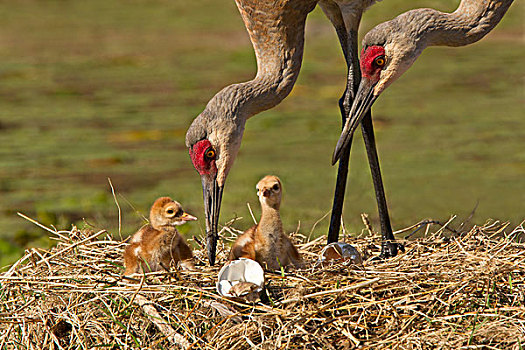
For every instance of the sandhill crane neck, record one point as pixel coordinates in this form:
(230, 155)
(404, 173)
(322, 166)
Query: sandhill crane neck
(391, 48)
(276, 29)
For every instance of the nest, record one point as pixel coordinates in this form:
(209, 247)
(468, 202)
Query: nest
(449, 290)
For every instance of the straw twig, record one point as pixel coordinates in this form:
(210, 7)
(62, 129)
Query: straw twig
(150, 311)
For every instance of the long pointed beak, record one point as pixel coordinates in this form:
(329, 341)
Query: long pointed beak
(212, 194)
(363, 101)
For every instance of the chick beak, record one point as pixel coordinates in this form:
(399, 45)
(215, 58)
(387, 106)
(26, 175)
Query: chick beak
(185, 217)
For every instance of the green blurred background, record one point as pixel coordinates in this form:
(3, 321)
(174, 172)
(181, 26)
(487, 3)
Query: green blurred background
(91, 90)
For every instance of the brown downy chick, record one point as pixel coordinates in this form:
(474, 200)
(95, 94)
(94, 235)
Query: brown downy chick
(266, 242)
(159, 243)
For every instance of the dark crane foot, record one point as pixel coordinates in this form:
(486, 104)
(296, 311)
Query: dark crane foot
(390, 249)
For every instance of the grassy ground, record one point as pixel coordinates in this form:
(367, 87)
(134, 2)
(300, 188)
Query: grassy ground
(97, 89)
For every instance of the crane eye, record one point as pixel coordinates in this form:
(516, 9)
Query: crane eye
(210, 153)
(380, 61)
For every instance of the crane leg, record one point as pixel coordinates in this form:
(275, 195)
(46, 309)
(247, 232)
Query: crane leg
(340, 186)
(389, 247)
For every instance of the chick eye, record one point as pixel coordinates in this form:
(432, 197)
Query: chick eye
(275, 187)
(210, 153)
(169, 211)
(380, 61)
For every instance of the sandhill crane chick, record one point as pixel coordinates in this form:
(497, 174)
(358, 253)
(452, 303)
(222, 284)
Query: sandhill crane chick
(266, 242)
(159, 243)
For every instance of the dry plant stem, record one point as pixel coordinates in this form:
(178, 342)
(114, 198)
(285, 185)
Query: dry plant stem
(251, 213)
(36, 223)
(163, 326)
(366, 222)
(316, 223)
(118, 207)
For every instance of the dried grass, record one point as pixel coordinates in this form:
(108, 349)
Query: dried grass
(450, 290)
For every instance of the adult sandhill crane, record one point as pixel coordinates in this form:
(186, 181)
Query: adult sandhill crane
(276, 30)
(391, 48)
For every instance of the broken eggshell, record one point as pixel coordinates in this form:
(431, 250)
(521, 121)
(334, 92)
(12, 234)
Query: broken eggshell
(237, 271)
(339, 251)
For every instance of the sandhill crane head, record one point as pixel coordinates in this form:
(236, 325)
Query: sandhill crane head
(214, 139)
(388, 51)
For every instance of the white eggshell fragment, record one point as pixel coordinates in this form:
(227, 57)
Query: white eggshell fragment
(241, 270)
